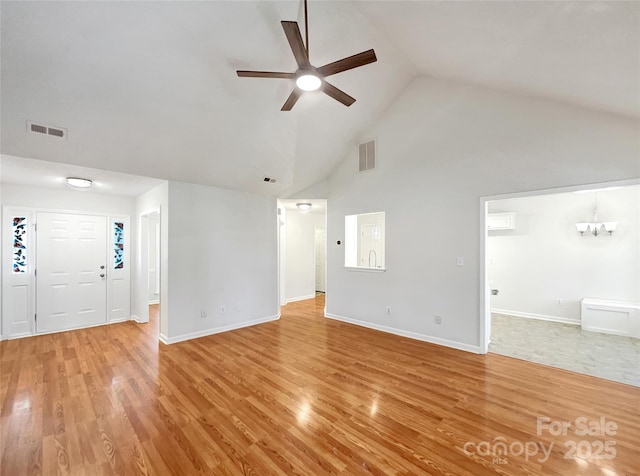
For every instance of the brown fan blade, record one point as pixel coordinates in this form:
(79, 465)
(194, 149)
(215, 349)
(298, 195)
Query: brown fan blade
(351, 62)
(294, 37)
(337, 94)
(292, 99)
(265, 74)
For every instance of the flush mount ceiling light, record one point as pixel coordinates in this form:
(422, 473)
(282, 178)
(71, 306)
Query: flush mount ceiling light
(308, 82)
(304, 206)
(76, 182)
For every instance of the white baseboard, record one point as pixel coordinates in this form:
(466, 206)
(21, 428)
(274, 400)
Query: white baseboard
(411, 335)
(21, 336)
(44, 333)
(216, 330)
(540, 317)
(154, 301)
(135, 318)
(300, 298)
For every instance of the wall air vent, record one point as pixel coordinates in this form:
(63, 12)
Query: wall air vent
(35, 128)
(367, 156)
(269, 180)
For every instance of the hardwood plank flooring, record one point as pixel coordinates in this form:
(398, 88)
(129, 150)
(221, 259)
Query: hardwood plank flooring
(303, 395)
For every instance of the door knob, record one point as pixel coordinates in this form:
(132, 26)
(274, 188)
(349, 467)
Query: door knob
(102, 267)
(102, 275)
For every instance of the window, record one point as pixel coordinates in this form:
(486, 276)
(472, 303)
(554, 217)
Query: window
(118, 245)
(19, 245)
(364, 241)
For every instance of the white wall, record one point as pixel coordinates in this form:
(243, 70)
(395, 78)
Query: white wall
(1, 261)
(19, 291)
(441, 146)
(300, 279)
(545, 259)
(221, 252)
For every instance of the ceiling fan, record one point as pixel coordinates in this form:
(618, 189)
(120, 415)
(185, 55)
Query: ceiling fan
(308, 77)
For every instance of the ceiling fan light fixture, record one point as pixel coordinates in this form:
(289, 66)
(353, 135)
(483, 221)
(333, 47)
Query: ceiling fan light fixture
(308, 82)
(307, 76)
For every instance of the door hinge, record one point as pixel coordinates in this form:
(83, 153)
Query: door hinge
(36, 317)
(35, 273)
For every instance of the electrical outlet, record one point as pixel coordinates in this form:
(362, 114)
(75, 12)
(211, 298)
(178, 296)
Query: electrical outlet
(437, 319)
(388, 309)
(459, 261)
(203, 313)
(222, 309)
(560, 301)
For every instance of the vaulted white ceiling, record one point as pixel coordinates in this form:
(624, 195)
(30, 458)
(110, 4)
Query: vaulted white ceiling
(586, 53)
(149, 88)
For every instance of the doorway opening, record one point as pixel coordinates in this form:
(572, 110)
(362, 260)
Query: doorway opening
(302, 250)
(150, 247)
(320, 258)
(541, 269)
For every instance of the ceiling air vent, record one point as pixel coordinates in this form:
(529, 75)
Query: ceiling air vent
(367, 156)
(34, 128)
(269, 180)
(56, 132)
(38, 128)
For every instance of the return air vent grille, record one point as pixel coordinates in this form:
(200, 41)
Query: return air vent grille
(367, 156)
(38, 128)
(56, 132)
(34, 128)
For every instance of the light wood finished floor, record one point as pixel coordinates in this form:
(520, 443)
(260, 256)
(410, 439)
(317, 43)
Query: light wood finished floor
(303, 395)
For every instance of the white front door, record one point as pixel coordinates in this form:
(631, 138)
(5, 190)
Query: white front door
(71, 258)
